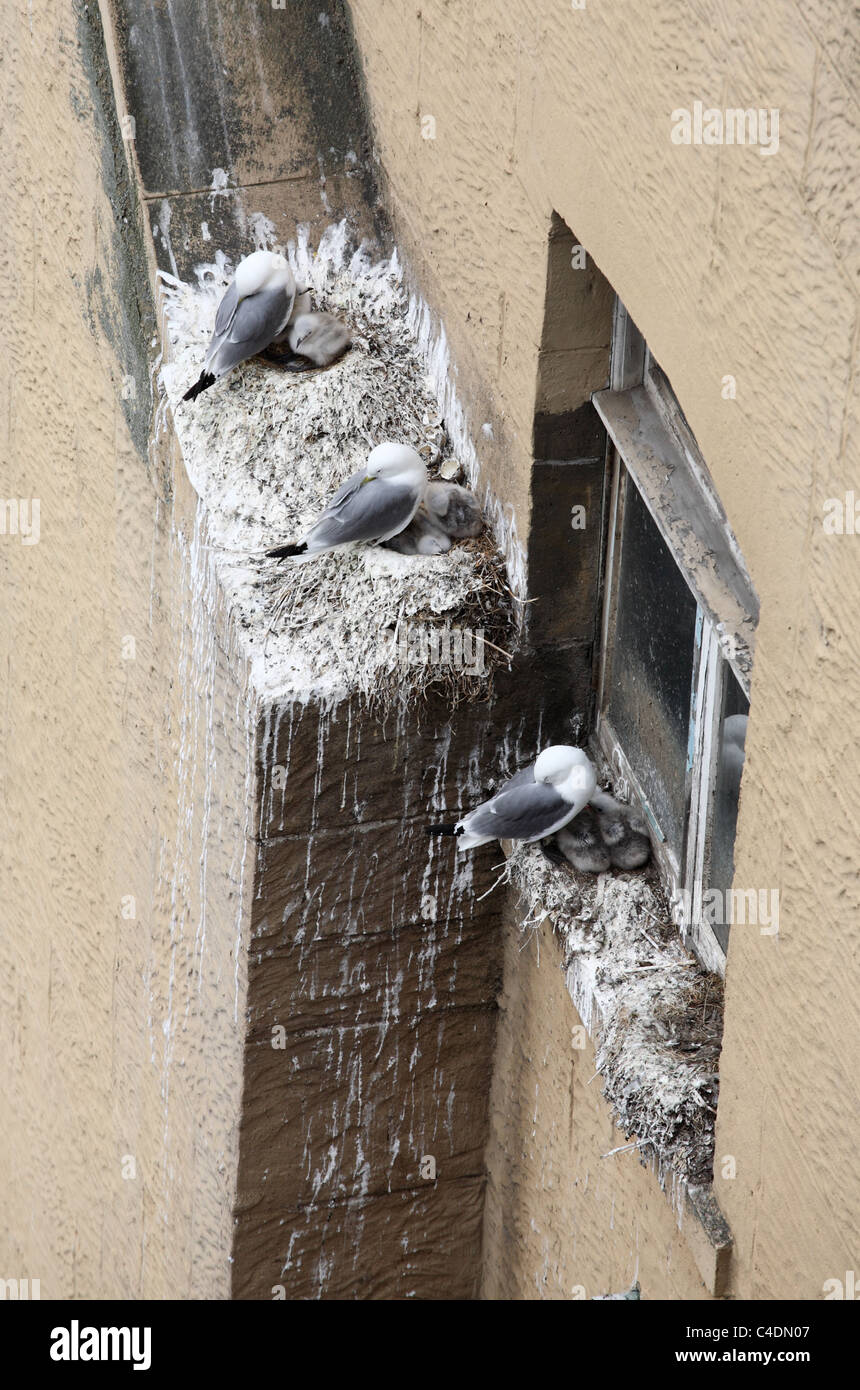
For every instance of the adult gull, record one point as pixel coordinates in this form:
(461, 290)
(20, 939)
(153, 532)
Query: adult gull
(535, 802)
(253, 314)
(375, 503)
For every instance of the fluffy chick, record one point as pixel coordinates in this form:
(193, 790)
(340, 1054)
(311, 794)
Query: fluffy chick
(581, 845)
(623, 831)
(317, 340)
(447, 512)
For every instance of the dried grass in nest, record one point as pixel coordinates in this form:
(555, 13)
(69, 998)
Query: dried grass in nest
(654, 1013)
(489, 608)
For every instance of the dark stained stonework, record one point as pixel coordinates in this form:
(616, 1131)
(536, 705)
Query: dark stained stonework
(564, 568)
(270, 96)
(122, 312)
(375, 967)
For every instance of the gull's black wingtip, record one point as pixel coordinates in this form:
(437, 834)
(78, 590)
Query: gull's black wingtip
(443, 829)
(281, 552)
(203, 382)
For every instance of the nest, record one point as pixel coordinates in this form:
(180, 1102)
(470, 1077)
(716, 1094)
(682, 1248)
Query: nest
(265, 449)
(655, 1014)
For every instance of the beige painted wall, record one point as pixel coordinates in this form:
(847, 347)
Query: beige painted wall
(120, 1036)
(730, 263)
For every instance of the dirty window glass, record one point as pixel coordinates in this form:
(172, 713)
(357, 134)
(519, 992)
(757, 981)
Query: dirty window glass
(652, 666)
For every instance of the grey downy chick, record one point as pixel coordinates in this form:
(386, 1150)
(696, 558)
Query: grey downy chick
(623, 831)
(447, 512)
(581, 844)
(316, 340)
(454, 509)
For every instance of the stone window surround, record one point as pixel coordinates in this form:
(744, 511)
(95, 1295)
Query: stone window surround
(649, 438)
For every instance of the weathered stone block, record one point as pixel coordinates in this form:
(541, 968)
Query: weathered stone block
(421, 1243)
(351, 1111)
(339, 982)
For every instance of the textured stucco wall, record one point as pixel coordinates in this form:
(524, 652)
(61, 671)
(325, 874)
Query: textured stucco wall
(120, 1034)
(730, 263)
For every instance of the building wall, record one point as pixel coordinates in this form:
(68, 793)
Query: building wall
(732, 264)
(561, 1220)
(246, 116)
(121, 1035)
(121, 968)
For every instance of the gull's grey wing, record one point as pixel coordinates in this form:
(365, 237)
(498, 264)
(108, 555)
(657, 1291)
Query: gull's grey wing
(362, 511)
(521, 812)
(519, 779)
(345, 491)
(256, 321)
(261, 316)
(226, 309)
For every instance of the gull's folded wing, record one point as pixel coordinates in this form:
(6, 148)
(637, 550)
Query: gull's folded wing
(254, 324)
(526, 811)
(362, 511)
(226, 310)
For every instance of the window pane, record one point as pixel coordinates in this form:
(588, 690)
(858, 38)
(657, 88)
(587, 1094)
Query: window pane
(652, 666)
(730, 762)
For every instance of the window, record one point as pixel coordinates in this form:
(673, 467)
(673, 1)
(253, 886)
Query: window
(679, 618)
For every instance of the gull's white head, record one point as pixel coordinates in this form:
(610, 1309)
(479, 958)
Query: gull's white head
(263, 270)
(396, 462)
(567, 769)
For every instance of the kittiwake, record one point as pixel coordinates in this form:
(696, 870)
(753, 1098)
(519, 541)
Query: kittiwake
(535, 802)
(581, 844)
(372, 505)
(316, 340)
(254, 312)
(623, 830)
(733, 751)
(447, 512)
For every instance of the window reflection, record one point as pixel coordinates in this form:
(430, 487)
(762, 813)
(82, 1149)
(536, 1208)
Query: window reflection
(730, 763)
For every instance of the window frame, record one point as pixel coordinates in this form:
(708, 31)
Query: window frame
(651, 447)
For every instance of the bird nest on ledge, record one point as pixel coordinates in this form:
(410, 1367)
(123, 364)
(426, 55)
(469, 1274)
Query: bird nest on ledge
(265, 449)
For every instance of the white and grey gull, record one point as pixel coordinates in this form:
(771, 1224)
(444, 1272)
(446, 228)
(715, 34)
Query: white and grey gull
(533, 804)
(261, 308)
(374, 504)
